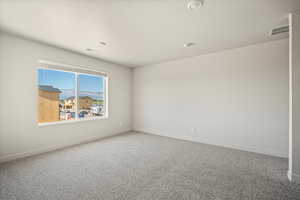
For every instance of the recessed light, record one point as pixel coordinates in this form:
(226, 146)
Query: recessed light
(194, 4)
(189, 44)
(103, 43)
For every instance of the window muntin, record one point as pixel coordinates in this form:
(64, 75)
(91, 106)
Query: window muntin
(65, 95)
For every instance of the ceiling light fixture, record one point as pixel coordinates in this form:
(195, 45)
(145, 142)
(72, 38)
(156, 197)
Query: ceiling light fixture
(189, 44)
(103, 43)
(195, 4)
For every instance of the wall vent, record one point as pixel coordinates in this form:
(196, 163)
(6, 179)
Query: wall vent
(279, 30)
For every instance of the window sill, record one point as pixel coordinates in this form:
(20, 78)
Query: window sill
(72, 121)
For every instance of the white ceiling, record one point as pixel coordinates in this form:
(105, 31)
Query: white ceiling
(143, 32)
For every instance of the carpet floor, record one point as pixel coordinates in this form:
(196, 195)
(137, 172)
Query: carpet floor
(137, 166)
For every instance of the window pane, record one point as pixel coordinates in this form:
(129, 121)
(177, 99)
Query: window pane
(56, 95)
(91, 98)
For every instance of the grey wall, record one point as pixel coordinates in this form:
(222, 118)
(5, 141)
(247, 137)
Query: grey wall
(236, 98)
(294, 147)
(19, 133)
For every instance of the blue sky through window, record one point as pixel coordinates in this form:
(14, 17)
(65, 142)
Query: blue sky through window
(90, 86)
(65, 81)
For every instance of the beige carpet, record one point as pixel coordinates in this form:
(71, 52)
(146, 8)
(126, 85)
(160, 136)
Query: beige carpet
(142, 167)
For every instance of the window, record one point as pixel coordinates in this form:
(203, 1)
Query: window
(90, 96)
(70, 94)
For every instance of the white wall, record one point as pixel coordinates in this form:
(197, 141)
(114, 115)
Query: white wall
(19, 133)
(236, 98)
(294, 147)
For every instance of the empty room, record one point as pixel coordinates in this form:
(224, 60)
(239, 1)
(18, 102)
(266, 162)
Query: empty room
(149, 100)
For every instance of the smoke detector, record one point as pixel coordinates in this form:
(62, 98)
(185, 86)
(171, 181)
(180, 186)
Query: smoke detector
(195, 4)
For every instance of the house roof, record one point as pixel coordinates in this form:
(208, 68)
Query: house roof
(86, 97)
(69, 98)
(49, 88)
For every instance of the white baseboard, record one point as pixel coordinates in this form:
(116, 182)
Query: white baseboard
(289, 175)
(293, 177)
(260, 151)
(16, 156)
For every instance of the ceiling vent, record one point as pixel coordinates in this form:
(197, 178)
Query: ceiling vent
(279, 30)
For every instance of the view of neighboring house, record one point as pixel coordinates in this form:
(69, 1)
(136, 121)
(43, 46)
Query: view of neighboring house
(52, 108)
(85, 102)
(87, 107)
(67, 108)
(68, 103)
(48, 103)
